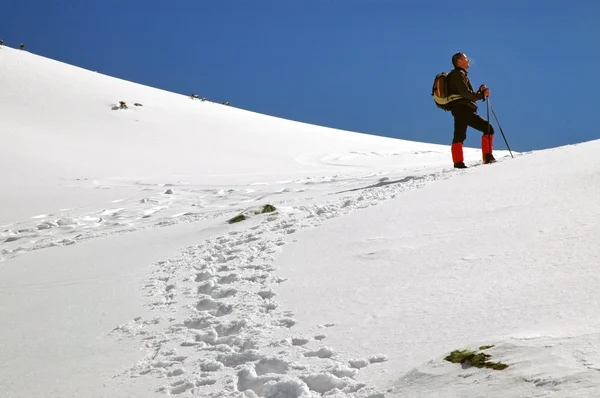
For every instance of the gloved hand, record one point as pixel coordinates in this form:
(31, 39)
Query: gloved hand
(483, 89)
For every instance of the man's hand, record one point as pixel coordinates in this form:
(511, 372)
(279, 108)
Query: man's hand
(484, 90)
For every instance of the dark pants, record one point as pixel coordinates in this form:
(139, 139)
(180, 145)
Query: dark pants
(466, 117)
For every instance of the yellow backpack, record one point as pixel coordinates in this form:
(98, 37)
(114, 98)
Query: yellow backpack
(439, 92)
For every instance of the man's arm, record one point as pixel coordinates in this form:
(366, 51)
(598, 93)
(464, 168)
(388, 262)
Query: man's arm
(460, 83)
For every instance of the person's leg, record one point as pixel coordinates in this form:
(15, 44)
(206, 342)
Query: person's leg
(487, 146)
(487, 139)
(461, 119)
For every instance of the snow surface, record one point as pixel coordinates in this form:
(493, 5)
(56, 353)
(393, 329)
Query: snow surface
(120, 275)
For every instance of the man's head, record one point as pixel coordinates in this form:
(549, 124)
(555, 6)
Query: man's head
(461, 60)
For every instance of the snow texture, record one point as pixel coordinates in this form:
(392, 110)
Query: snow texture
(122, 276)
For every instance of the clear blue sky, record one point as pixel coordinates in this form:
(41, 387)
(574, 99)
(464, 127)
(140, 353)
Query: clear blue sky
(362, 65)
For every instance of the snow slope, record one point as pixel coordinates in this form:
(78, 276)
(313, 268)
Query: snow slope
(59, 133)
(504, 256)
(120, 275)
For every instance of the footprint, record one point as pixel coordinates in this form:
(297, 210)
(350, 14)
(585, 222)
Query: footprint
(377, 358)
(342, 371)
(223, 293)
(47, 225)
(271, 365)
(323, 382)
(229, 328)
(208, 336)
(270, 385)
(214, 307)
(299, 341)
(231, 278)
(358, 363)
(287, 322)
(266, 294)
(258, 278)
(239, 358)
(179, 387)
(201, 323)
(206, 381)
(209, 365)
(207, 287)
(321, 353)
(203, 276)
(176, 372)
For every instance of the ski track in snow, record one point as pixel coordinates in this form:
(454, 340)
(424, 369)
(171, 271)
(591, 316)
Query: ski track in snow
(219, 329)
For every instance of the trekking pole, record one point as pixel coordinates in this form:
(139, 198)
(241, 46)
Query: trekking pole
(487, 105)
(500, 127)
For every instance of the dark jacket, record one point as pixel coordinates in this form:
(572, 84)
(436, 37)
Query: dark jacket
(459, 83)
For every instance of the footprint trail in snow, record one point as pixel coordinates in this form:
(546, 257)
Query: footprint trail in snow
(219, 329)
(163, 205)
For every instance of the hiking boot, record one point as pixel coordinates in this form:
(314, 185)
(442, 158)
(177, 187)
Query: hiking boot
(460, 165)
(488, 158)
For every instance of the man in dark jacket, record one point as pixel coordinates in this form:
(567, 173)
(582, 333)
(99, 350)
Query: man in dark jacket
(464, 112)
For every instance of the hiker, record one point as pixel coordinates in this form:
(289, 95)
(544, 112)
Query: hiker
(22, 46)
(464, 111)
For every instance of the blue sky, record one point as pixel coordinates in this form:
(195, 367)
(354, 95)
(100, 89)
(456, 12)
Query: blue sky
(364, 65)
